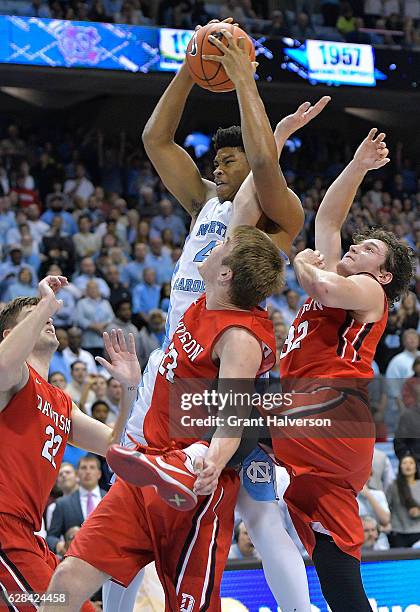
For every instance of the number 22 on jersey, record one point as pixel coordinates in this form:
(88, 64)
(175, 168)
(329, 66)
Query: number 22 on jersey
(52, 445)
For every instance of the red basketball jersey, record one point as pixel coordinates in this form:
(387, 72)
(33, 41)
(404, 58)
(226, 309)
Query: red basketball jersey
(34, 428)
(328, 342)
(189, 358)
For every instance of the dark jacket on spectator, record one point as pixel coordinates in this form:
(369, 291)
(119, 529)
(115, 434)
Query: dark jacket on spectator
(67, 513)
(407, 436)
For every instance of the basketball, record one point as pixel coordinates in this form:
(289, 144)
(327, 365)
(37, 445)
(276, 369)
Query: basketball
(210, 74)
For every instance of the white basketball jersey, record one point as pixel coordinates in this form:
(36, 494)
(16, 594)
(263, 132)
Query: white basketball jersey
(187, 284)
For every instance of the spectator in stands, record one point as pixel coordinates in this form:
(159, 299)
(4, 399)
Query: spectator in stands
(88, 273)
(373, 10)
(122, 320)
(404, 501)
(13, 146)
(242, 547)
(161, 263)
(100, 411)
(57, 248)
(330, 11)
(371, 535)
(390, 343)
(151, 336)
(57, 379)
(132, 273)
(411, 389)
(80, 185)
(382, 471)
(168, 220)
(10, 269)
(146, 295)
(67, 483)
(408, 312)
(399, 369)
(80, 385)
(69, 537)
(72, 510)
(37, 227)
(56, 209)
(93, 314)
(30, 249)
(374, 503)
(68, 294)
(7, 218)
(165, 296)
(98, 13)
(113, 398)
(38, 8)
(407, 435)
(74, 352)
(278, 25)
(346, 23)
(291, 308)
(85, 242)
(23, 285)
(119, 291)
(59, 363)
(302, 28)
(100, 388)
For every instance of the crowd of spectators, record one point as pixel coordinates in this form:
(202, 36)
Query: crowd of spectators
(390, 22)
(94, 209)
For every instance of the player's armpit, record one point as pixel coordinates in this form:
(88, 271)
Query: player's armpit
(179, 174)
(12, 381)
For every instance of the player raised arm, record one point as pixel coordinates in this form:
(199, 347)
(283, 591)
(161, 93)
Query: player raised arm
(92, 435)
(247, 208)
(240, 357)
(173, 164)
(334, 208)
(19, 342)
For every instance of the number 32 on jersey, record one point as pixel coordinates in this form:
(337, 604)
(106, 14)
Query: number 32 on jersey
(294, 338)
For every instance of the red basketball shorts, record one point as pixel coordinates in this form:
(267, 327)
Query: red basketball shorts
(26, 565)
(132, 527)
(328, 466)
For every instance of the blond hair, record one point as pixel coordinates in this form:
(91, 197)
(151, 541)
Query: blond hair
(256, 265)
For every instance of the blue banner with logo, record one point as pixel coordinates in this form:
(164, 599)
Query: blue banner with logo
(392, 586)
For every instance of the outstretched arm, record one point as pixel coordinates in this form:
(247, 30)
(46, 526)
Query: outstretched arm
(247, 208)
(371, 155)
(259, 144)
(19, 342)
(91, 435)
(175, 167)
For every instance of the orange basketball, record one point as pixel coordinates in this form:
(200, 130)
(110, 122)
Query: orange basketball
(210, 74)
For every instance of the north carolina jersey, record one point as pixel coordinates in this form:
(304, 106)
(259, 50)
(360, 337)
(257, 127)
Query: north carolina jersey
(326, 342)
(34, 428)
(188, 358)
(187, 285)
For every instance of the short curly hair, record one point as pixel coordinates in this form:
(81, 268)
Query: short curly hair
(228, 137)
(400, 261)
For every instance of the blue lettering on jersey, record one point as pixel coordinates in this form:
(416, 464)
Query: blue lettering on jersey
(189, 284)
(214, 227)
